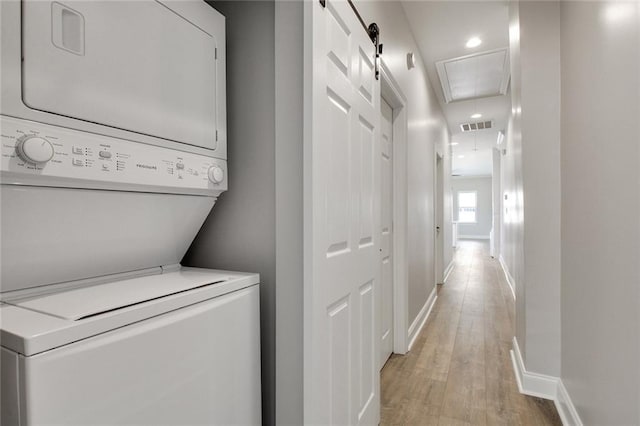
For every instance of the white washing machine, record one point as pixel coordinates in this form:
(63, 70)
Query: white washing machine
(113, 152)
(178, 348)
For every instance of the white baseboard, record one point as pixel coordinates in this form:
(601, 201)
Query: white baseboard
(448, 271)
(532, 384)
(421, 319)
(543, 386)
(507, 275)
(565, 407)
(473, 237)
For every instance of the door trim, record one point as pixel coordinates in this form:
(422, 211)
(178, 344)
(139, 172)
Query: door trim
(390, 90)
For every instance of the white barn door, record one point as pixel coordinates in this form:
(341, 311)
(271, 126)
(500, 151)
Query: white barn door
(342, 221)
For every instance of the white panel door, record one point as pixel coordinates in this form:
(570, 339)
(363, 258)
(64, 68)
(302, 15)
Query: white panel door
(342, 337)
(386, 259)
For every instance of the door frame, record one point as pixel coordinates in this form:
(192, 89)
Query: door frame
(390, 90)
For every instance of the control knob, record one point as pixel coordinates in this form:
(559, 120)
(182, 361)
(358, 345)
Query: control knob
(216, 174)
(34, 149)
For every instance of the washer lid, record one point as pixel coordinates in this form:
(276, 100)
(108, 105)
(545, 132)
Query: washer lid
(83, 303)
(37, 324)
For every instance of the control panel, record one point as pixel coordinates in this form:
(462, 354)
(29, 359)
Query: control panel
(36, 153)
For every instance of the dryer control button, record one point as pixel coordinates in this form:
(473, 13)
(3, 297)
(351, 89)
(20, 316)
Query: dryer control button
(34, 149)
(104, 154)
(179, 166)
(216, 174)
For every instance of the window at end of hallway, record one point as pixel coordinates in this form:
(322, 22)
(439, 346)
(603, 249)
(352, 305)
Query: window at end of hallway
(467, 204)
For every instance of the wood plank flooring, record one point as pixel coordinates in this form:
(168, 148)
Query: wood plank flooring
(459, 370)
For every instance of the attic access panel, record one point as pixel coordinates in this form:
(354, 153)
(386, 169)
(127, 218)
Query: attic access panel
(473, 76)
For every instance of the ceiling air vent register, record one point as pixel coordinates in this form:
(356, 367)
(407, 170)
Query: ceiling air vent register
(478, 125)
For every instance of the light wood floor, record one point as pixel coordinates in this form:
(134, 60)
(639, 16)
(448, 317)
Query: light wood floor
(459, 370)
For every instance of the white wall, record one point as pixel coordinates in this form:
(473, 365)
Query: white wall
(531, 183)
(600, 204)
(576, 68)
(484, 212)
(540, 102)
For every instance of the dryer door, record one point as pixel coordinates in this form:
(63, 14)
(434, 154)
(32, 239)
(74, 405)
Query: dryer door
(141, 66)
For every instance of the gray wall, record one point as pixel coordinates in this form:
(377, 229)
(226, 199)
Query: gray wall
(426, 133)
(240, 233)
(600, 204)
(484, 211)
(289, 260)
(257, 224)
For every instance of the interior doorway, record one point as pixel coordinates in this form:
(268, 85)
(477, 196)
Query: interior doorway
(393, 212)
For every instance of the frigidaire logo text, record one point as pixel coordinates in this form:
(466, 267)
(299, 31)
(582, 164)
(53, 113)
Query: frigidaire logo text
(146, 166)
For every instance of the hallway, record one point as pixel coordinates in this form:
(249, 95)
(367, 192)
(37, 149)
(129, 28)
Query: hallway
(459, 370)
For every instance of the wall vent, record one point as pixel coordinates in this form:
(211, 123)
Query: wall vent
(478, 125)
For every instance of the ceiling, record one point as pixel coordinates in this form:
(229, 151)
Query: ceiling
(441, 29)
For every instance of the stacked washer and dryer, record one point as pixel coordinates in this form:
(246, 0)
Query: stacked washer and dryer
(113, 149)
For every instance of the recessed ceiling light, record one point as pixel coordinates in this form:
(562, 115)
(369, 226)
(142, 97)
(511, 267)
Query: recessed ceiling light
(454, 143)
(473, 42)
(460, 156)
(617, 11)
(476, 115)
